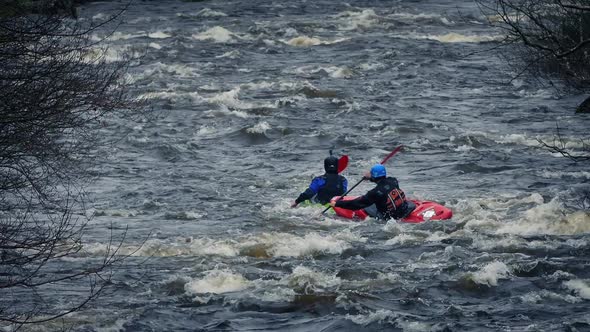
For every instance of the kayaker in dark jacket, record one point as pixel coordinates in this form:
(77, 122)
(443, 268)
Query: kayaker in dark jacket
(324, 187)
(385, 201)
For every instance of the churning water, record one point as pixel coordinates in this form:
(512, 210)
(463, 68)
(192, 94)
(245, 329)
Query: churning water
(251, 95)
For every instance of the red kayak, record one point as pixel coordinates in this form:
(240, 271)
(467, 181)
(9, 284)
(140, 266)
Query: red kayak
(425, 210)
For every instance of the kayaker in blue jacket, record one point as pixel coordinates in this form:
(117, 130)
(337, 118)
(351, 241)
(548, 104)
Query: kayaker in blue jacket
(385, 201)
(324, 187)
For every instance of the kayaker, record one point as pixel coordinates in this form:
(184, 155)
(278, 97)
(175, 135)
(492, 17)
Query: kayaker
(385, 201)
(324, 187)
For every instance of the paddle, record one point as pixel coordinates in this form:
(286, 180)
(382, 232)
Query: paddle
(396, 150)
(342, 163)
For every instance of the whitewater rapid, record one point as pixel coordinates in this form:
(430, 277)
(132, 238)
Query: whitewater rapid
(249, 98)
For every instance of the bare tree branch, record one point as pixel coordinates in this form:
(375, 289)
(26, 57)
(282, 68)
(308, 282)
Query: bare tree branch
(56, 92)
(559, 145)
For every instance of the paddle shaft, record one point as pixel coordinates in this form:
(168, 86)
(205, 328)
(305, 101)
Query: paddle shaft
(396, 150)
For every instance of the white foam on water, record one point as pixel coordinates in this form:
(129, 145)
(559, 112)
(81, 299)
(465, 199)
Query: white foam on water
(389, 277)
(206, 131)
(464, 148)
(193, 97)
(404, 239)
(111, 54)
(580, 287)
(548, 218)
(559, 275)
(180, 70)
(490, 213)
(332, 71)
(295, 86)
(519, 139)
(117, 326)
(230, 99)
(552, 174)
(217, 34)
(340, 72)
(155, 46)
(230, 54)
(358, 20)
(531, 298)
(507, 201)
(420, 17)
(291, 100)
(291, 32)
(510, 242)
(286, 245)
(145, 19)
(208, 247)
(224, 111)
(490, 274)
(163, 70)
(159, 35)
(258, 86)
(186, 215)
(544, 295)
(302, 280)
(394, 227)
(179, 246)
(426, 264)
(206, 12)
(370, 66)
(408, 326)
(379, 316)
(276, 294)
(259, 128)
(437, 237)
(577, 243)
(289, 245)
(272, 244)
(100, 16)
(117, 212)
(501, 18)
(454, 37)
(159, 248)
(570, 142)
(540, 93)
(305, 41)
(167, 95)
(217, 282)
(117, 35)
(310, 280)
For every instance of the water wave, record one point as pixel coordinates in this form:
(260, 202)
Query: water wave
(216, 34)
(217, 281)
(305, 41)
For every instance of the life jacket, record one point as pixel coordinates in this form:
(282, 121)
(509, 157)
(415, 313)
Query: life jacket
(334, 186)
(390, 200)
(395, 200)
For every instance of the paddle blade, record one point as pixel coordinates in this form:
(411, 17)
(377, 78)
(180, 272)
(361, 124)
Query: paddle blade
(342, 163)
(396, 150)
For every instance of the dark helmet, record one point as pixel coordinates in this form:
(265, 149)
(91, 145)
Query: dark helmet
(331, 165)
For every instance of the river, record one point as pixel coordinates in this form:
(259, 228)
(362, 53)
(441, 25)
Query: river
(250, 97)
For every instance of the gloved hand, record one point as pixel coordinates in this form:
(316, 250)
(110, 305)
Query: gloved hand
(334, 201)
(367, 176)
(294, 204)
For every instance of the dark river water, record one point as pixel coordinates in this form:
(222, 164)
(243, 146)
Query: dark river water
(251, 95)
